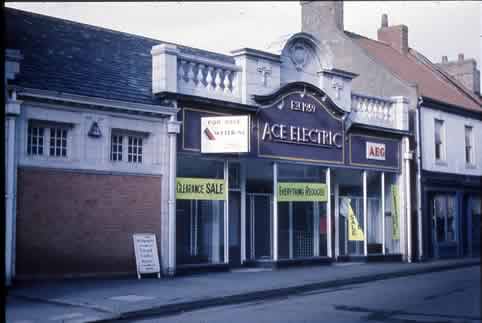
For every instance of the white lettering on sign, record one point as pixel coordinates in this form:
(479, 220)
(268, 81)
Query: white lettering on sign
(225, 134)
(375, 151)
(300, 135)
(147, 258)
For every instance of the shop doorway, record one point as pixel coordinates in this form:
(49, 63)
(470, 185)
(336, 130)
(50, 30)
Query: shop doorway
(234, 229)
(259, 217)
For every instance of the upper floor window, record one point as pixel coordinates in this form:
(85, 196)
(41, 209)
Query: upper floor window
(47, 137)
(126, 146)
(35, 140)
(439, 140)
(469, 151)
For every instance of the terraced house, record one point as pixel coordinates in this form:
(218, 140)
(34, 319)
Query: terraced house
(307, 152)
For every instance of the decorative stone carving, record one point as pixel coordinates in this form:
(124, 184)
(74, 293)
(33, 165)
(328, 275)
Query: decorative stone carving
(337, 85)
(299, 55)
(264, 68)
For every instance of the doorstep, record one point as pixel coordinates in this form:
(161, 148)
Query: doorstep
(283, 263)
(183, 270)
(371, 258)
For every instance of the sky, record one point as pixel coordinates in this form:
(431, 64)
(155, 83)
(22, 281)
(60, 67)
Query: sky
(435, 28)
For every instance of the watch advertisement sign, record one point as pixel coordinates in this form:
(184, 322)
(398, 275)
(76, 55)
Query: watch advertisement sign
(226, 134)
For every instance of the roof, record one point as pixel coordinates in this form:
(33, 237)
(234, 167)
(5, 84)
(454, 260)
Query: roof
(71, 57)
(415, 68)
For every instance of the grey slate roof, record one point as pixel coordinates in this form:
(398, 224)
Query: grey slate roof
(71, 57)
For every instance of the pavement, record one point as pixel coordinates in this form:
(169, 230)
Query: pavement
(104, 300)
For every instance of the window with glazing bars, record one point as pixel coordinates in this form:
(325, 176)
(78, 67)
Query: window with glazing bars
(439, 140)
(58, 142)
(116, 147)
(35, 140)
(468, 145)
(134, 149)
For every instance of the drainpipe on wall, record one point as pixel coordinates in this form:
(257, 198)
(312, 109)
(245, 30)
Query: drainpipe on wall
(407, 156)
(12, 111)
(418, 163)
(173, 129)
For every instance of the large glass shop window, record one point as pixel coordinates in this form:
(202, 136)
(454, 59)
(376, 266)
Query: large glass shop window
(374, 213)
(350, 201)
(443, 218)
(302, 194)
(392, 214)
(474, 214)
(200, 211)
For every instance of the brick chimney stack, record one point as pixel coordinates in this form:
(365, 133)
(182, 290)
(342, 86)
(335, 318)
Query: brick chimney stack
(317, 16)
(395, 36)
(463, 70)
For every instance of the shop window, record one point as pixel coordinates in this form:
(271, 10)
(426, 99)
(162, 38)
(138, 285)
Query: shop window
(469, 159)
(443, 218)
(302, 225)
(199, 218)
(46, 136)
(439, 140)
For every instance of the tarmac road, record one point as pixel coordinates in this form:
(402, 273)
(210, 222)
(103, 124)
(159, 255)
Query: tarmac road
(442, 297)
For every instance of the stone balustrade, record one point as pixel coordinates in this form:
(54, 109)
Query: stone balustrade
(208, 78)
(381, 112)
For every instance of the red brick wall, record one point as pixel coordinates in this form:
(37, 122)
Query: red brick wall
(71, 223)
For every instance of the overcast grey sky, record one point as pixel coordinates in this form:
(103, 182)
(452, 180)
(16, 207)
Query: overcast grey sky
(435, 28)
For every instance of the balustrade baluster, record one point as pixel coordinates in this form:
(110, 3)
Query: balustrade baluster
(217, 80)
(226, 82)
(200, 76)
(181, 71)
(190, 74)
(209, 79)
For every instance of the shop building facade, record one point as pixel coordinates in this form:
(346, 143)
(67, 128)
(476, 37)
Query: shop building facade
(310, 174)
(266, 158)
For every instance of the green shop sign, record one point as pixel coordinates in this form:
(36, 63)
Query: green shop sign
(302, 192)
(200, 189)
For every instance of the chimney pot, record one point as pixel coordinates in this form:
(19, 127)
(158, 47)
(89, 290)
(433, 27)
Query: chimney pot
(444, 59)
(461, 57)
(384, 20)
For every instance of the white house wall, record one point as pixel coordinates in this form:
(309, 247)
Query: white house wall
(454, 143)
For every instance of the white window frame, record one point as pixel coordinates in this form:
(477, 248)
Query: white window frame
(47, 127)
(443, 152)
(471, 162)
(126, 134)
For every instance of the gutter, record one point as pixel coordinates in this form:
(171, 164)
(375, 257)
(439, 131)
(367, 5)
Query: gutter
(120, 106)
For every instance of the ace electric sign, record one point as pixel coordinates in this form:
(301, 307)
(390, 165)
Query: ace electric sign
(225, 134)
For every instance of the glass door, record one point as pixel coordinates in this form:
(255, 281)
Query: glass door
(259, 217)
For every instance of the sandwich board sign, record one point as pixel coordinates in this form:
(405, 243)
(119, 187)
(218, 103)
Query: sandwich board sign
(147, 258)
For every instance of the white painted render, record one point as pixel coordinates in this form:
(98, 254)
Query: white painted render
(454, 143)
(87, 153)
